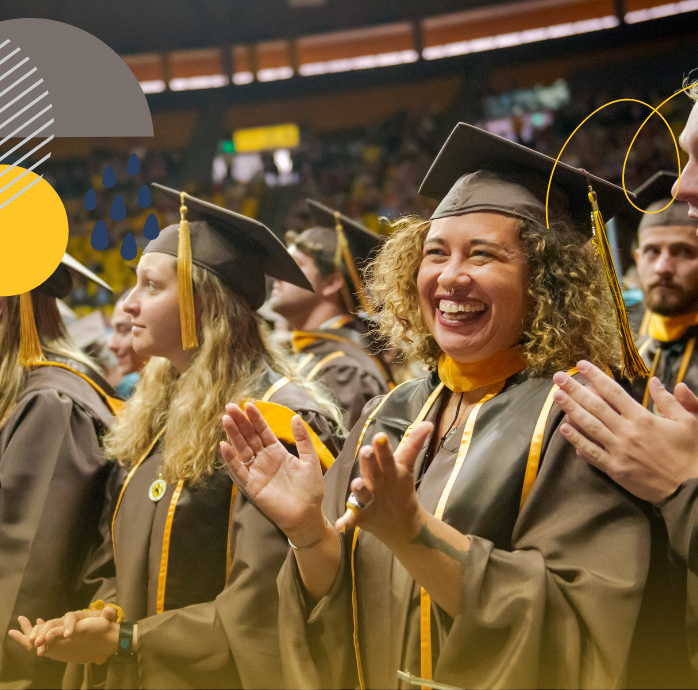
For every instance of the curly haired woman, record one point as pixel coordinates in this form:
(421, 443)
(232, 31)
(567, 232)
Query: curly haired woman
(466, 543)
(189, 559)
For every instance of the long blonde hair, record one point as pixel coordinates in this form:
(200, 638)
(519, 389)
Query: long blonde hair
(233, 356)
(53, 336)
(571, 315)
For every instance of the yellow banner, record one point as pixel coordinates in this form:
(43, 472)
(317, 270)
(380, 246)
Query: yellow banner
(266, 138)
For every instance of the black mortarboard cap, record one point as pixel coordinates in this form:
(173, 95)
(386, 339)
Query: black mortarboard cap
(237, 249)
(480, 171)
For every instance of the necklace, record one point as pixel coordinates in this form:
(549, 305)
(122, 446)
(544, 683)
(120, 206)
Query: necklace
(452, 428)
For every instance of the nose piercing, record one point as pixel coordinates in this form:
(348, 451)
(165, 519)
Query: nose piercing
(450, 292)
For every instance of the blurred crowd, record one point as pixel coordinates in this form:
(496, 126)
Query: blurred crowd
(371, 174)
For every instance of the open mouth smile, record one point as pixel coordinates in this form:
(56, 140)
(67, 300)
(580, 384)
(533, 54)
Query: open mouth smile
(459, 312)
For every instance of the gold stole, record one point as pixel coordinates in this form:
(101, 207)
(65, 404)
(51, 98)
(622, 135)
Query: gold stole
(464, 377)
(669, 328)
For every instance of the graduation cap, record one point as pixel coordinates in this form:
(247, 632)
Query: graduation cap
(653, 196)
(347, 242)
(235, 248)
(479, 171)
(58, 284)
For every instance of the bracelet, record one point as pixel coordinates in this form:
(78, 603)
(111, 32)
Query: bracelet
(125, 645)
(309, 546)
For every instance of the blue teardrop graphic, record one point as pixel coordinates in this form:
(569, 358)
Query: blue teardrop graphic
(118, 208)
(151, 229)
(133, 167)
(109, 179)
(90, 202)
(100, 236)
(144, 197)
(128, 247)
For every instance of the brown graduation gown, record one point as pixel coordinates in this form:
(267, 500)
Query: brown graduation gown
(52, 479)
(671, 362)
(195, 628)
(341, 358)
(551, 593)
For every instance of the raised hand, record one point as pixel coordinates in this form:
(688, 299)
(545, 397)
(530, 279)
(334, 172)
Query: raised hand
(648, 455)
(386, 488)
(288, 489)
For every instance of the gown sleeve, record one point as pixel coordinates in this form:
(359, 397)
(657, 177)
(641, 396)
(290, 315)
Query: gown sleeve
(52, 479)
(571, 588)
(559, 610)
(316, 641)
(680, 513)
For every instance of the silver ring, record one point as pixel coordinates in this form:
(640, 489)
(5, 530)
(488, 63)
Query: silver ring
(250, 461)
(352, 500)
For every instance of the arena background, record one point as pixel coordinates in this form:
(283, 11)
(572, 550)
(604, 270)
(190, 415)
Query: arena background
(367, 91)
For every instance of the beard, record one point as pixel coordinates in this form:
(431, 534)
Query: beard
(670, 299)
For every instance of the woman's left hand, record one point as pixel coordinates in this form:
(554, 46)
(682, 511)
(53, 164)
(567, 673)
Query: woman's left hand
(386, 488)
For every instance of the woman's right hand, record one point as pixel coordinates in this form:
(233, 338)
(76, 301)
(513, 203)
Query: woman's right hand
(288, 489)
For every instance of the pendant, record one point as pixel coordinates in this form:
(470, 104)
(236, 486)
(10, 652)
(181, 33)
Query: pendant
(157, 490)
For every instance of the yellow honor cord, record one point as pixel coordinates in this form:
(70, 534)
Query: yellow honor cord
(29, 344)
(184, 281)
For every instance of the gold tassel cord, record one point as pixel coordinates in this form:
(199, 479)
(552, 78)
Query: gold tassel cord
(633, 363)
(342, 252)
(184, 281)
(29, 344)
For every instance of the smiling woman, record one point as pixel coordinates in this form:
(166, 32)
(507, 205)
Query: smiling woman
(561, 312)
(468, 544)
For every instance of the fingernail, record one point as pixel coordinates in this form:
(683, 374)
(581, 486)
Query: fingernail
(221, 443)
(565, 430)
(382, 440)
(583, 365)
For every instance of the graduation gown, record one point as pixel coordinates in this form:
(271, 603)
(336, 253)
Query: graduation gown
(197, 570)
(551, 591)
(340, 356)
(52, 481)
(671, 362)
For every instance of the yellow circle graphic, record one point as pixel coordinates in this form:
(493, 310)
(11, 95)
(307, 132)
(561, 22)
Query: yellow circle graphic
(33, 230)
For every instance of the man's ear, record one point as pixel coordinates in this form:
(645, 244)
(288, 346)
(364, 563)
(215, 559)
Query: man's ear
(332, 284)
(636, 256)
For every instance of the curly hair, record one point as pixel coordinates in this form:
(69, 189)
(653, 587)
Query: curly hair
(236, 349)
(571, 315)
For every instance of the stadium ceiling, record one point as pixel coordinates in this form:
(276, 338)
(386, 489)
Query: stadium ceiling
(140, 26)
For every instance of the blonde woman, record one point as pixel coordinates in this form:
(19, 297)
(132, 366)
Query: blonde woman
(465, 544)
(178, 528)
(55, 407)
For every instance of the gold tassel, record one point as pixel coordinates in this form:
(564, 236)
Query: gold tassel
(29, 344)
(633, 364)
(342, 252)
(184, 282)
